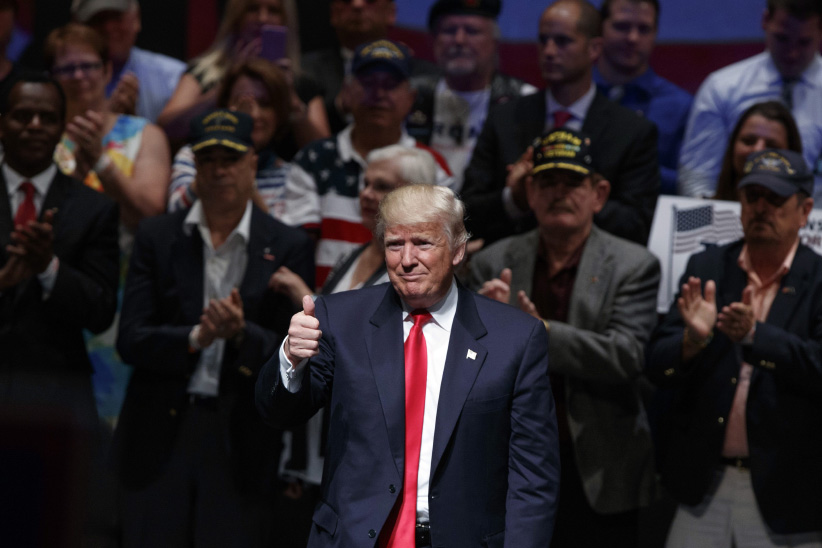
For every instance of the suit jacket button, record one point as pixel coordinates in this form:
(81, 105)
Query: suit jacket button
(172, 412)
(721, 420)
(245, 371)
(392, 489)
(372, 533)
(733, 380)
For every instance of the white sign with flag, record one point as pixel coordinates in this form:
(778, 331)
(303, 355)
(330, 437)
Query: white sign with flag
(683, 226)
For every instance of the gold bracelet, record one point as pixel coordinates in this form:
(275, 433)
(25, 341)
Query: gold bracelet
(686, 339)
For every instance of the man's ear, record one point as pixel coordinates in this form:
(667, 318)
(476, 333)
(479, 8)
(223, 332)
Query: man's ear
(459, 255)
(594, 49)
(766, 18)
(603, 190)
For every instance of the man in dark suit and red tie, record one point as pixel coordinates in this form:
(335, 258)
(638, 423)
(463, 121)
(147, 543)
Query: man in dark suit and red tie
(446, 439)
(58, 258)
(624, 143)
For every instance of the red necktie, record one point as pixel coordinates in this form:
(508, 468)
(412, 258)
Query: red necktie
(561, 117)
(26, 211)
(416, 374)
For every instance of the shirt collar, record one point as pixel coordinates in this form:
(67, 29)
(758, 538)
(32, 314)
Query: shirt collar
(41, 181)
(443, 312)
(811, 75)
(645, 81)
(345, 148)
(196, 218)
(579, 108)
(744, 262)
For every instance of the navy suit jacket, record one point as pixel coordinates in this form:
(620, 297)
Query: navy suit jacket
(784, 409)
(495, 462)
(163, 301)
(624, 148)
(43, 357)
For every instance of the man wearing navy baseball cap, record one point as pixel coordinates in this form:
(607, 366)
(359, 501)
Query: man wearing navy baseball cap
(380, 97)
(742, 350)
(196, 463)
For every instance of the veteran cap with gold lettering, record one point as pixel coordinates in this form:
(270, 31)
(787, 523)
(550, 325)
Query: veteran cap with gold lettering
(382, 54)
(224, 128)
(781, 171)
(563, 149)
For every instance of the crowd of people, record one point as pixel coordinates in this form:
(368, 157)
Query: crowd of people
(175, 235)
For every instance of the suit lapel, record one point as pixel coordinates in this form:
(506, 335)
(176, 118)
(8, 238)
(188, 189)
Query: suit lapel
(530, 120)
(596, 268)
(385, 351)
(5, 219)
(593, 125)
(460, 371)
(521, 259)
(256, 273)
(56, 194)
(187, 251)
(735, 279)
(791, 290)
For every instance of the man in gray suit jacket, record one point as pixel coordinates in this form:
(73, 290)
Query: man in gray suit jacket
(596, 294)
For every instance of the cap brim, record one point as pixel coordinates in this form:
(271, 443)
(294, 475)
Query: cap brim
(382, 65)
(775, 184)
(227, 143)
(581, 170)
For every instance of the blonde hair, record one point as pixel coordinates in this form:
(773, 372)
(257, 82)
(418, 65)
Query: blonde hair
(210, 67)
(419, 203)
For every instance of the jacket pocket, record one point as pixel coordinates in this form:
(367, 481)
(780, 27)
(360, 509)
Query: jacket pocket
(326, 518)
(497, 540)
(486, 406)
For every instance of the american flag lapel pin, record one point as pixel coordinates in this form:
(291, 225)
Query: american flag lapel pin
(267, 254)
(789, 290)
(471, 355)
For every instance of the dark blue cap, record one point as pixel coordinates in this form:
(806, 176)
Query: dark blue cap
(225, 128)
(783, 172)
(382, 54)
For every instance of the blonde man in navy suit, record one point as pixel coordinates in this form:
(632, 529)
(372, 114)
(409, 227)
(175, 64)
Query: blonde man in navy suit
(488, 469)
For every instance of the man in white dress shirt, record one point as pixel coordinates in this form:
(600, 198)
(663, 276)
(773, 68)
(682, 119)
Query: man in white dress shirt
(790, 69)
(448, 438)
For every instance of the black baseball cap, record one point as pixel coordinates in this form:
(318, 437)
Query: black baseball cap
(563, 149)
(484, 8)
(783, 172)
(225, 128)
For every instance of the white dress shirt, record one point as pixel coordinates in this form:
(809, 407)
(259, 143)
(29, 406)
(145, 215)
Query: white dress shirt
(437, 333)
(721, 100)
(223, 270)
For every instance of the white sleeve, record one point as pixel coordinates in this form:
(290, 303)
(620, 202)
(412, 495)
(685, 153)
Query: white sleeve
(291, 375)
(302, 201)
(706, 137)
(183, 172)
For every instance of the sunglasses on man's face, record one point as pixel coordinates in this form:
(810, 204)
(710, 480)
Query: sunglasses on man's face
(752, 195)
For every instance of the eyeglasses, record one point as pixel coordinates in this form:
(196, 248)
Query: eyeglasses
(753, 194)
(71, 69)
